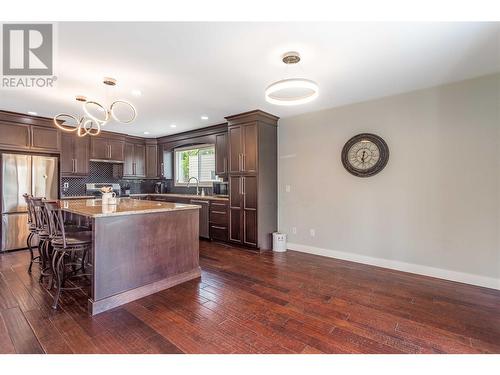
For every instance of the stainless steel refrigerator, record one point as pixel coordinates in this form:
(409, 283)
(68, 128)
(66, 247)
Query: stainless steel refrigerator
(32, 174)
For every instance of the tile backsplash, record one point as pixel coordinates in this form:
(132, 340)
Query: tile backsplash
(103, 172)
(108, 172)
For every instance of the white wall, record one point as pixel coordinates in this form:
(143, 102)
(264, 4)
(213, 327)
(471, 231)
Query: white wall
(434, 209)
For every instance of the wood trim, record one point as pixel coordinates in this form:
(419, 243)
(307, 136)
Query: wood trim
(256, 115)
(21, 118)
(418, 269)
(96, 307)
(209, 130)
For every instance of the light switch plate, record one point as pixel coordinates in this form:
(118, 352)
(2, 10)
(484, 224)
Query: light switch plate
(287, 188)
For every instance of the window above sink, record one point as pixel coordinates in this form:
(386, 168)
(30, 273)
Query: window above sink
(195, 161)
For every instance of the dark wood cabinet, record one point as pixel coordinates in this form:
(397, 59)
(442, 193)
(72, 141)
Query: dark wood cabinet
(219, 220)
(128, 160)
(74, 155)
(243, 210)
(243, 149)
(116, 149)
(108, 149)
(134, 160)
(252, 154)
(152, 161)
(99, 148)
(45, 139)
(167, 162)
(235, 149)
(203, 216)
(206, 212)
(15, 136)
(221, 154)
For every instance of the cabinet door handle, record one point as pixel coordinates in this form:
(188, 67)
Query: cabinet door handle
(161, 171)
(218, 212)
(225, 165)
(242, 162)
(239, 162)
(243, 185)
(75, 166)
(217, 227)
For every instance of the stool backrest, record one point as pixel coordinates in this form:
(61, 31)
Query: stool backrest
(40, 214)
(27, 198)
(56, 220)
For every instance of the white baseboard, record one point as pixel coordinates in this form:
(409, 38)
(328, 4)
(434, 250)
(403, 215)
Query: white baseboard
(467, 278)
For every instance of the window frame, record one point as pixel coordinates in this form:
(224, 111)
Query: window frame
(191, 147)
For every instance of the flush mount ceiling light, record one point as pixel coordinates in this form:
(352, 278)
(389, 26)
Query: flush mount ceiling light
(292, 91)
(204, 117)
(91, 123)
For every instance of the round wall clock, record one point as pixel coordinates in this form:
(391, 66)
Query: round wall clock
(365, 155)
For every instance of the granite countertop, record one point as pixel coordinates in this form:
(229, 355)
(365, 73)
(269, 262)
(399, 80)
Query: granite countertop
(125, 206)
(191, 196)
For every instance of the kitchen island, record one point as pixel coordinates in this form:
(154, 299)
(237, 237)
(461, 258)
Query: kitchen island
(138, 247)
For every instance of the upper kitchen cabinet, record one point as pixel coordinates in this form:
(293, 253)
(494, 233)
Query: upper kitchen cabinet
(45, 139)
(107, 148)
(152, 170)
(15, 136)
(75, 152)
(134, 164)
(23, 132)
(221, 165)
(243, 149)
(252, 155)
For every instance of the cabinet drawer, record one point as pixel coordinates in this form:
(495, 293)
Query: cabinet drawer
(218, 232)
(219, 205)
(218, 217)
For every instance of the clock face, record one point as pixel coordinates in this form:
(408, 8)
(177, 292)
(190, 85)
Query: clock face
(365, 155)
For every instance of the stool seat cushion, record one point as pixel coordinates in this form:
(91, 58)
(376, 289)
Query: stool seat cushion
(74, 239)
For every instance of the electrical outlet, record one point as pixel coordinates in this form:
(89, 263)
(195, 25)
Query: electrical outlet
(294, 230)
(287, 188)
(312, 232)
(66, 185)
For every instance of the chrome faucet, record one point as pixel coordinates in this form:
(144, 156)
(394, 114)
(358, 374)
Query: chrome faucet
(197, 184)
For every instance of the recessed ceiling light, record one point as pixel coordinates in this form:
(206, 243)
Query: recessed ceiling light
(32, 113)
(173, 126)
(146, 133)
(204, 117)
(136, 92)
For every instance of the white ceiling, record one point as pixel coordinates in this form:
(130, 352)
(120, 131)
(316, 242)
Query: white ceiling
(186, 70)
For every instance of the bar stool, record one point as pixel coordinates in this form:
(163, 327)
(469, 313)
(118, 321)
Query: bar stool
(69, 253)
(42, 232)
(32, 230)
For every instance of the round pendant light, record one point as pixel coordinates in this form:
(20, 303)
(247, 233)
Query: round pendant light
(96, 115)
(292, 91)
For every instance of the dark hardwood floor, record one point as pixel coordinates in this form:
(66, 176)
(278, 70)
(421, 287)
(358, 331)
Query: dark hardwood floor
(251, 303)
